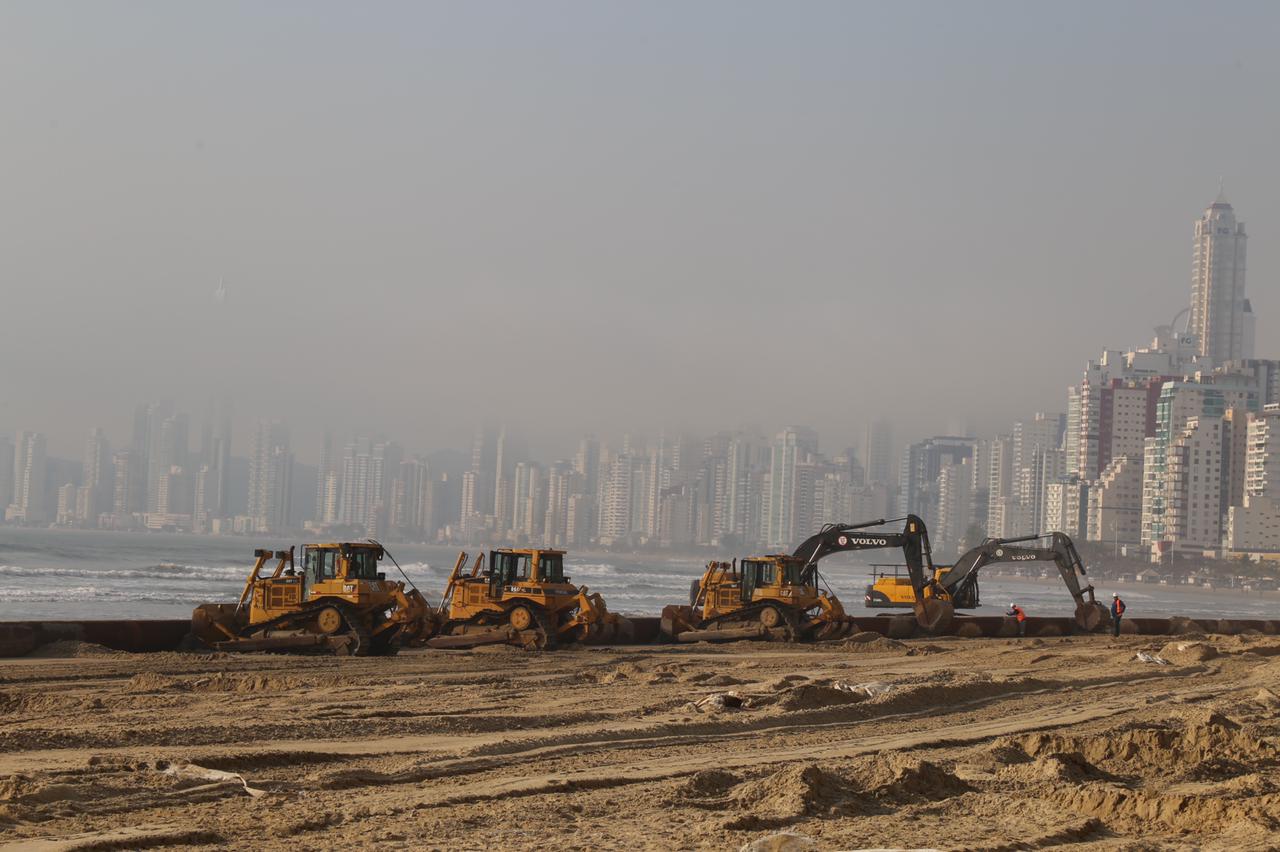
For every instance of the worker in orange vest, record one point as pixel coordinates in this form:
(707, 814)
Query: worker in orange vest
(1117, 612)
(1015, 611)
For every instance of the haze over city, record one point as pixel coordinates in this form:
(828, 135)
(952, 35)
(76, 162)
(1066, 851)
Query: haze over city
(574, 217)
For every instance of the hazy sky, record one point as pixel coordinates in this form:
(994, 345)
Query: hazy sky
(595, 216)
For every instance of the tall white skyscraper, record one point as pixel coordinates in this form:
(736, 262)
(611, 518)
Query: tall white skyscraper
(270, 477)
(791, 448)
(28, 479)
(1220, 314)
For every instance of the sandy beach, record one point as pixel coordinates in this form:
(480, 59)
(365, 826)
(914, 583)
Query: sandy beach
(940, 743)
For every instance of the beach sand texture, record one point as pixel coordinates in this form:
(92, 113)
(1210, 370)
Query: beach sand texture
(942, 743)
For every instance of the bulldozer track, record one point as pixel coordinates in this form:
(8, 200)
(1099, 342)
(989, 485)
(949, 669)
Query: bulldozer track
(357, 630)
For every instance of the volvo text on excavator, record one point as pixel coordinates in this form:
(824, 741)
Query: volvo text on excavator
(779, 596)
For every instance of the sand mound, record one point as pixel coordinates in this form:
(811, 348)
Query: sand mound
(1184, 652)
(27, 790)
(709, 783)
(813, 696)
(1244, 821)
(900, 778)
(1210, 747)
(65, 648)
(802, 790)
(873, 643)
(796, 791)
(42, 702)
(144, 682)
(1058, 767)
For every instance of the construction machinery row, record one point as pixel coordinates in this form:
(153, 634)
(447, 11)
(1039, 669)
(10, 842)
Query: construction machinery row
(340, 602)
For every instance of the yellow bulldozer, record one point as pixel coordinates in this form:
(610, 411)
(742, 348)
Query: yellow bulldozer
(764, 597)
(339, 603)
(524, 599)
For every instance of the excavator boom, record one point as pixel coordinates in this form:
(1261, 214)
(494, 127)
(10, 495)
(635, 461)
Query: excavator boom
(931, 613)
(1061, 550)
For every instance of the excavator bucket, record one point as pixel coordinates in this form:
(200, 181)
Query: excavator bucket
(934, 615)
(1091, 616)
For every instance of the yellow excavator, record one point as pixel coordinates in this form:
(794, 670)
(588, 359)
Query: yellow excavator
(338, 603)
(780, 596)
(896, 591)
(523, 599)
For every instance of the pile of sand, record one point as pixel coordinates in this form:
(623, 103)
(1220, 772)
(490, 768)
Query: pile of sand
(900, 778)
(801, 789)
(868, 642)
(707, 784)
(1212, 746)
(815, 696)
(1069, 767)
(866, 787)
(67, 648)
(1185, 652)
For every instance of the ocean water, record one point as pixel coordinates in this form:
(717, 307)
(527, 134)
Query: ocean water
(70, 574)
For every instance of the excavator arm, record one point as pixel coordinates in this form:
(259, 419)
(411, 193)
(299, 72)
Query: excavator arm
(931, 613)
(1061, 551)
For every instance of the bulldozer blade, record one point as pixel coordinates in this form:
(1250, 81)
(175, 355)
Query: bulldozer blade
(729, 635)
(1092, 616)
(278, 643)
(473, 640)
(677, 620)
(498, 636)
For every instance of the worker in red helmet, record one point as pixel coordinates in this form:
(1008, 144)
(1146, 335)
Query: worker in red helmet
(1015, 611)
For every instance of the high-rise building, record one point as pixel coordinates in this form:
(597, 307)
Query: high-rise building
(124, 491)
(877, 452)
(1190, 487)
(955, 506)
(1220, 314)
(791, 448)
(1115, 503)
(97, 477)
(270, 477)
(922, 463)
(367, 472)
(6, 474)
(28, 503)
(625, 479)
(1206, 398)
(560, 485)
(65, 514)
(408, 492)
(1262, 459)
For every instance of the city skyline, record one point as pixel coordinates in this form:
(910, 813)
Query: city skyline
(1166, 446)
(772, 224)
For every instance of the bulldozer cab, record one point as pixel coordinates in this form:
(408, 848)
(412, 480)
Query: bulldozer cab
(770, 571)
(509, 567)
(352, 561)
